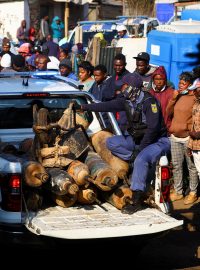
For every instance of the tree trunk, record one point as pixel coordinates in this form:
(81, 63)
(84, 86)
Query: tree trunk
(142, 7)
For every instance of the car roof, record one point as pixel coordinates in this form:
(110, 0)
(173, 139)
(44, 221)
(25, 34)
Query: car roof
(12, 83)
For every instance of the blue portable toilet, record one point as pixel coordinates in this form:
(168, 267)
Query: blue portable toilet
(193, 14)
(176, 47)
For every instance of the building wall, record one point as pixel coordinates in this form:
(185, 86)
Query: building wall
(109, 12)
(11, 15)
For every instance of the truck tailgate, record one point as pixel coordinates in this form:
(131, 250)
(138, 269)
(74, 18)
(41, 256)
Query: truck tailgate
(93, 221)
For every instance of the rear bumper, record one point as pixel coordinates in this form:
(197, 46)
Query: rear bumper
(17, 235)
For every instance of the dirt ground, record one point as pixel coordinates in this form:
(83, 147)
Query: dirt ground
(180, 247)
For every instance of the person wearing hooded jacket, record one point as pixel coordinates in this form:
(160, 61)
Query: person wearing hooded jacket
(146, 137)
(146, 70)
(162, 92)
(57, 28)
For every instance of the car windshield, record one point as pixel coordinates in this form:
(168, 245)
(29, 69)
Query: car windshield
(18, 112)
(108, 35)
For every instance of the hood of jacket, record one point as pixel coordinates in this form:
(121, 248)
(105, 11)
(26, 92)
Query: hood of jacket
(56, 18)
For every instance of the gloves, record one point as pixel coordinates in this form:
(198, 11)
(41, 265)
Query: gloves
(76, 105)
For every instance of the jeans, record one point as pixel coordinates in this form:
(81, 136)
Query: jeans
(123, 146)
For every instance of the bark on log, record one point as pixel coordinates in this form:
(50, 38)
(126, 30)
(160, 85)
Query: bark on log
(104, 177)
(34, 174)
(79, 172)
(118, 197)
(118, 165)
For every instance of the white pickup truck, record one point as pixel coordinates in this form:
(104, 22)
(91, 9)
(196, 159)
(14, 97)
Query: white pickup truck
(77, 222)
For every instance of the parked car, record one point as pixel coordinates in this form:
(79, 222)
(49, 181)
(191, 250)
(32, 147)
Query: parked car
(19, 91)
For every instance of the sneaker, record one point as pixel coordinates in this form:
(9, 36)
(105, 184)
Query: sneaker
(191, 198)
(175, 196)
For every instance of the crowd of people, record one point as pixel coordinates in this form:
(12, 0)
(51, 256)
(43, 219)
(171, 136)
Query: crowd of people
(40, 49)
(155, 119)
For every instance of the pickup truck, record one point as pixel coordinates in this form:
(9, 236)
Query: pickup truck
(18, 92)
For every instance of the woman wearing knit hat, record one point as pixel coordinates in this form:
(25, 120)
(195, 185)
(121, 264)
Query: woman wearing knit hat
(24, 50)
(162, 92)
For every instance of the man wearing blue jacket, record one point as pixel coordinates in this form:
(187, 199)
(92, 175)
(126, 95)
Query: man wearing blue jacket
(146, 136)
(57, 28)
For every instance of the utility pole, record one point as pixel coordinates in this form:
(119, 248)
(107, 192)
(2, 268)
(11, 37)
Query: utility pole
(66, 19)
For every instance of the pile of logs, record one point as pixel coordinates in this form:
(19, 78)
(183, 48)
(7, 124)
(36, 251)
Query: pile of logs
(69, 166)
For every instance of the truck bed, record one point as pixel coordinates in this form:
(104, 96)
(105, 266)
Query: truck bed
(94, 221)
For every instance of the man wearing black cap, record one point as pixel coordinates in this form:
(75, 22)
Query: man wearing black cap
(144, 69)
(146, 136)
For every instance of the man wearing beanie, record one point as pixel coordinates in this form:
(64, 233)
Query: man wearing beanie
(18, 62)
(6, 47)
(162, 92)
(65, 68)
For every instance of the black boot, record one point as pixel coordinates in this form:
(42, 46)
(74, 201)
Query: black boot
(136, 204)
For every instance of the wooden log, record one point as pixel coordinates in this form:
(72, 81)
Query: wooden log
(64, 200)
(52, 151)
(40, 127)
(59, 162)
(61, 182)
(34, 174)
(118, 197)
(67, 120)
(104, 177)
(87, 196)
(79, 172)
(81, 120)
(120, 166)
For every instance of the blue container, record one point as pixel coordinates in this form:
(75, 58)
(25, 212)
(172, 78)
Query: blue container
(177, 52)
(193, 14)
(164, 12)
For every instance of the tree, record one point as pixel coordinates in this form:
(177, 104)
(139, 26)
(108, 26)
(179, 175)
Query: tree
(139, 7)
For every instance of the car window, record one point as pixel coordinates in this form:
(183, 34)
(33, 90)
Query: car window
(18, 112)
